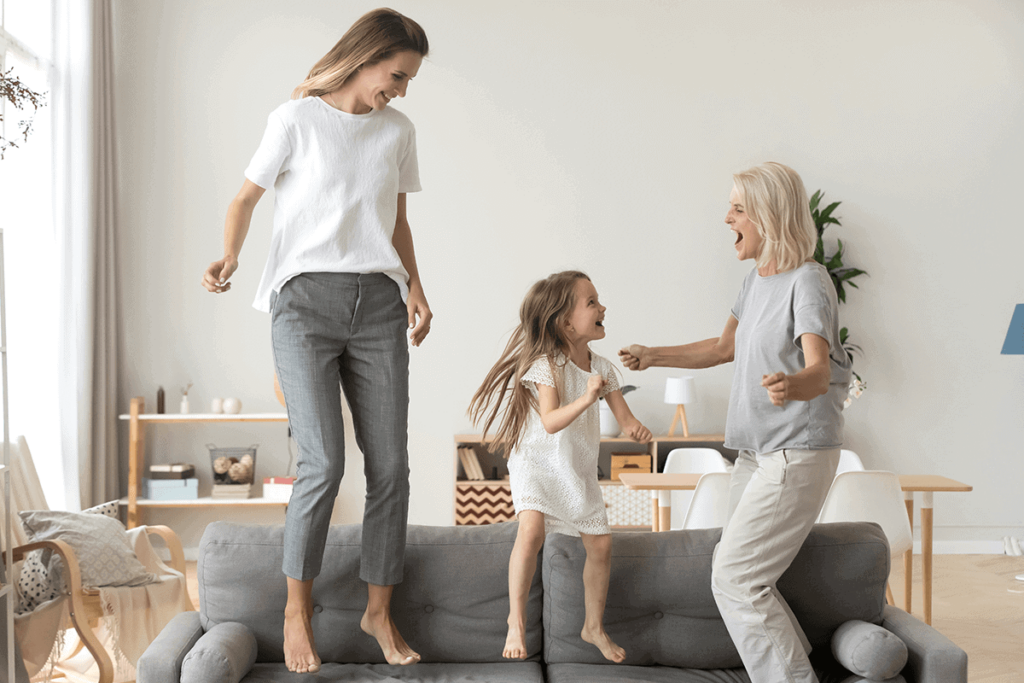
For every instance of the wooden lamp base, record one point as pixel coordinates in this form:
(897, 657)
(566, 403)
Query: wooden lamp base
(680, 416)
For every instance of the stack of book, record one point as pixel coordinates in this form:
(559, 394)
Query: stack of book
(470, 463)
(231, 490)
(278, 488)
(174, 481)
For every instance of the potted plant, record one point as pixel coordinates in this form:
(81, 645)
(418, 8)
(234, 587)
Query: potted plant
(841, 275)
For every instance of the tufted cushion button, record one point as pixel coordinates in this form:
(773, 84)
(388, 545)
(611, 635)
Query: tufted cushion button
(428, 609)
(317, 609)
(658, 615)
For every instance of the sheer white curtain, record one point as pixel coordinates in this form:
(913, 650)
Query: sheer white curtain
(84, 193)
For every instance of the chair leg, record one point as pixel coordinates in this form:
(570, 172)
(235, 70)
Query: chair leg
(888, 594)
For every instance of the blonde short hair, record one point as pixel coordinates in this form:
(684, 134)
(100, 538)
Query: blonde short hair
(776, 201)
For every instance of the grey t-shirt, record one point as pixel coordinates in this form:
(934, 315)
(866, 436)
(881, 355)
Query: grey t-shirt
(773, 312)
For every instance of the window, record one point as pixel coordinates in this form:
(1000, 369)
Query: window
(30, 247)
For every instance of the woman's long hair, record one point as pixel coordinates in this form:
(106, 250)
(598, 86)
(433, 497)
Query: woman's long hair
(540, 333)
(376, 36)
(776, 202)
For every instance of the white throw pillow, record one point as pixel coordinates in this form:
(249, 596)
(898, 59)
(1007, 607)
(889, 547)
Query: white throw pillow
(34, 584)
(105, 557)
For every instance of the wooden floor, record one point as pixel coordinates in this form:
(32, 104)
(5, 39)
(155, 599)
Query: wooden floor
(976, 603)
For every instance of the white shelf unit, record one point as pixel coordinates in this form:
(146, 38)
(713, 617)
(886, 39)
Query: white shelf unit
(137, 420)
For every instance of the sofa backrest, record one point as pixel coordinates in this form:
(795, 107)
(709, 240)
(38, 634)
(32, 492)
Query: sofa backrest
(452, 605)
(660, 608)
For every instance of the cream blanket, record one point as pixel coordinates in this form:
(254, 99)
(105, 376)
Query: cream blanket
(133, 616)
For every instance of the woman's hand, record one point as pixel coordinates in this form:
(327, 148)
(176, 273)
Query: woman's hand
(635, 357)
(417, 306)
(636, 431)
(215, 279)
(778, 386)
(595, 383)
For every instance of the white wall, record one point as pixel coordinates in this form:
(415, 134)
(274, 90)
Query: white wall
(603, 136)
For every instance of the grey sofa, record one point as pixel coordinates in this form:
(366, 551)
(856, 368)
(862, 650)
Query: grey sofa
(453, 604)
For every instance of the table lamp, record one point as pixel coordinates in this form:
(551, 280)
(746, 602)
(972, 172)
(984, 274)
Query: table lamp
(1014, 346)
(678, 392)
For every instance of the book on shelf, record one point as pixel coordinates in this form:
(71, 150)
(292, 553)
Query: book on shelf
(279, 480)
(172, 467)
(231, 490)
(471, 464)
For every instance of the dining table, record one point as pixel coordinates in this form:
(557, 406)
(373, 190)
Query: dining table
(927, 485)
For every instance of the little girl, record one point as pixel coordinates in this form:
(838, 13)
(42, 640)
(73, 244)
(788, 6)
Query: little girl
(550, 431)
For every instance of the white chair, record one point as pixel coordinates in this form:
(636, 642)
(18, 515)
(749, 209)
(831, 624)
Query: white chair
(709, 507)
(871, 496)
(849, 462)
(687, 460)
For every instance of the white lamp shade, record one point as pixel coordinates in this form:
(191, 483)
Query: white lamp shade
(679, 390)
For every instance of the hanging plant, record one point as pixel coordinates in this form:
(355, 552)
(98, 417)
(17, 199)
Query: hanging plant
(841, 274)
(20, 95)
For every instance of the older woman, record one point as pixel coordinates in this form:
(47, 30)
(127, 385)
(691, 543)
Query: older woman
(784, 415)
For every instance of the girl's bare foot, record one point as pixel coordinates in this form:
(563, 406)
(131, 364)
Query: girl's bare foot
(299, 650)
(600, 639)
(515, 644)
(394, 647)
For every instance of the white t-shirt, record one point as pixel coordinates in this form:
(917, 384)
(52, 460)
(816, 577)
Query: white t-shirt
(337, 178)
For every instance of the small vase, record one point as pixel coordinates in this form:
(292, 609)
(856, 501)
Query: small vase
(609, 425)
(184, 405)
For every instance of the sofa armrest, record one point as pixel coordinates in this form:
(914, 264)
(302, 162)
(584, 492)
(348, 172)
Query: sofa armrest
(932, 656)
(161, 662)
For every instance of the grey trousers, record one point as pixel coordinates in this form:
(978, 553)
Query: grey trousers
(774, 500)
(332, 331)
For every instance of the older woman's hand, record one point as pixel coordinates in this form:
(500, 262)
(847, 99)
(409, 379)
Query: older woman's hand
(635, 357)
(777, 386)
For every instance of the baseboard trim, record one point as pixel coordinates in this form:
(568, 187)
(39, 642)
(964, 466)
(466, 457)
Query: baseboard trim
(963, 547)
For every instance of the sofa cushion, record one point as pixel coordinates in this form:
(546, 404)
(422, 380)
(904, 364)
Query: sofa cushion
(509, 672)
(611, 673)
(452, 605)
(869, 650)
(660, 608)
(223, 654)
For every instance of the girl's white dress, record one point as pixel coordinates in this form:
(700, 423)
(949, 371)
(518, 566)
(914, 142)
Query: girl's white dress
(557, 473)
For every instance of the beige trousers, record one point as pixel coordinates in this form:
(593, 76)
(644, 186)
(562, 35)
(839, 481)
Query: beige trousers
(774, 500)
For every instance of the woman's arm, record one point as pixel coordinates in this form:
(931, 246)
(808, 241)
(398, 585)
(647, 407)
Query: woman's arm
(557, 418)
(417, 302)
(624, 416)
(236, 227)
(703, 354)
(810, 382)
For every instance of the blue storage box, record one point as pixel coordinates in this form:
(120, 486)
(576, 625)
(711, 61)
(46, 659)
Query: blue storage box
(170, 489)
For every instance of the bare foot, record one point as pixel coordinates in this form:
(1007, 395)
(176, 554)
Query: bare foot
(600, 639)
(299, 650)
(515, 644)
(396, 651)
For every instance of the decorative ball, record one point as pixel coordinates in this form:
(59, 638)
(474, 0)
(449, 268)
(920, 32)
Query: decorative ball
(240, 473)
(246, 460)
(232, 406)
(222, 464)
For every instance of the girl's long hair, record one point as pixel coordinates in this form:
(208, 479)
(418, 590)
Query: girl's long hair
(376, 36)
(540, 334)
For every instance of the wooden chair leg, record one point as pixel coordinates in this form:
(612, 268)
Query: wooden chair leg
(79, 614)
(888, 594)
